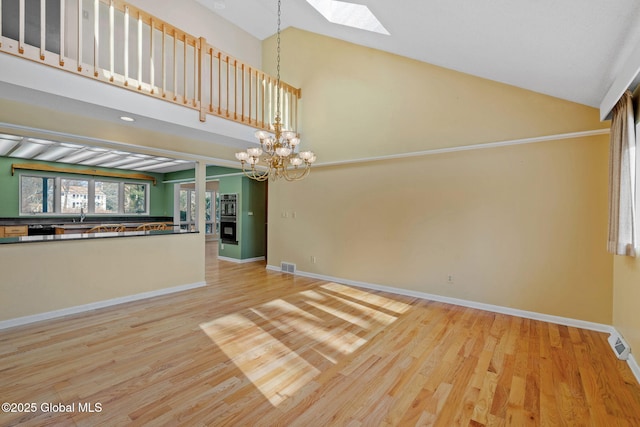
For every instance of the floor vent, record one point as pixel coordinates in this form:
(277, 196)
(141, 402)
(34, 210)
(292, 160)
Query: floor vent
(287, 267)
(619, 346)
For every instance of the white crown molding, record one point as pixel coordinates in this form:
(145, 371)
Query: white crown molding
(455, 149)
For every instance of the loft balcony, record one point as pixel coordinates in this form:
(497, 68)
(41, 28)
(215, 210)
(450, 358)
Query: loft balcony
(112, 42)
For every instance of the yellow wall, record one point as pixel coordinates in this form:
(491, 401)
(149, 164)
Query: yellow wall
(360, 102)
(520, 226)
(40, 277)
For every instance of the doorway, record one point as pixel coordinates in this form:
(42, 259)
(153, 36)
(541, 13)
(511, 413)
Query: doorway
(186, 206)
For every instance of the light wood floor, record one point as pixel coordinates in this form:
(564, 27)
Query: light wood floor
(264, 348)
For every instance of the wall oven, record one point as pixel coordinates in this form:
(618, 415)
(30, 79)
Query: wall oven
(229, 218)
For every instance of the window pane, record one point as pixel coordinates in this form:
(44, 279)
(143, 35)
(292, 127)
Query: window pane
(135, 198)
(183, 205)
(106, 197)
(192, 211)
(208, 199)
(37, 194)
(74, 194)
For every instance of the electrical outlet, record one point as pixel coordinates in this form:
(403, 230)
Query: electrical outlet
(221, 245)
(313, 259)
(450, 279)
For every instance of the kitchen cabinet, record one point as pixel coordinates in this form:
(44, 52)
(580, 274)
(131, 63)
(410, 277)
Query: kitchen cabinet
(14, 230)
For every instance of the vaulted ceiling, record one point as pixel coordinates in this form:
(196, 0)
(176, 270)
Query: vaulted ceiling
(570, 49)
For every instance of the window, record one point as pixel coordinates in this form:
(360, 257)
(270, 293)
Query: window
(38, 195)
(135, 198)
(187, 209)
(71, 196)
(107, 197)
(74, 196)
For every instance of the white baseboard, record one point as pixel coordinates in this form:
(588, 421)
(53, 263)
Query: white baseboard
(631, 361)
(241, 261)
(18, 321)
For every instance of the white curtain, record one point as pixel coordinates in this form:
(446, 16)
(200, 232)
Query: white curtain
(622, 179)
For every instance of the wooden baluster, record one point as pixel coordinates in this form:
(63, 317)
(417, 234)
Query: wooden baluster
(79, 65)
(184, 71)
(111, 40)
(21, 27)
(96, 36)
(139, 51)
(250, 84)
(271, 87)
(210, 80)
(242, 101)
(202, 43)
(196, 68)
(175, 66)
(285, 108)
(62, 32)
(43, 28)
(151, 56)
(257, 94)
(126, 45)
(295, 112)
(264, 93)
(235, 89)
(219, 83)
(164, 61)
(228, 71)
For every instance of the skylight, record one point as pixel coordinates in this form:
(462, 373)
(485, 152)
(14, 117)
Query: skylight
(349, 14)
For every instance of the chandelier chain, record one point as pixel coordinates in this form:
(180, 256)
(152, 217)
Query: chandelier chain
(278, 65)
(278, 155)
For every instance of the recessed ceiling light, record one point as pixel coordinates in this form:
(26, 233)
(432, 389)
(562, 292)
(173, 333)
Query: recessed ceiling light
(219, 4)
(127, 119)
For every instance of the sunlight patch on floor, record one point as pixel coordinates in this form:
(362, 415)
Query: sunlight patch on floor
(273, 344)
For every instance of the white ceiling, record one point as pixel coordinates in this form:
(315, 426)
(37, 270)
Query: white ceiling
(570, 49)
(17, 146)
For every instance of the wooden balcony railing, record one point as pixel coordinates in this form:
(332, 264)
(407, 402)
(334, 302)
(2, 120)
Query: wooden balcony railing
(116, 43)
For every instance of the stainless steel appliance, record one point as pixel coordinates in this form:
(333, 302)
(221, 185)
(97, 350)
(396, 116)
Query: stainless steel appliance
(228, 218)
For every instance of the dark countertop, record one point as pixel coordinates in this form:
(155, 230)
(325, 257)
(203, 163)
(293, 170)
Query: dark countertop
(95, 220)
(85, 236)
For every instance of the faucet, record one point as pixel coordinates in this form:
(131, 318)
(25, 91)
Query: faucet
(82, 216)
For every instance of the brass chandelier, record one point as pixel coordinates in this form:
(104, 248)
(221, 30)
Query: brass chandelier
(278, 150)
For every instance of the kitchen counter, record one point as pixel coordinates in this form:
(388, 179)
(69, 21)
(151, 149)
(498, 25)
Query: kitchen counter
(85, 236)
(83, 227)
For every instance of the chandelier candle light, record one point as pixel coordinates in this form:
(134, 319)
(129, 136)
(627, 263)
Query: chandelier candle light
(278, 150)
